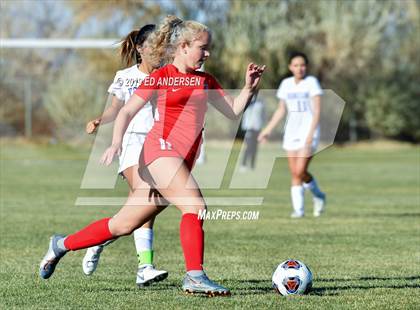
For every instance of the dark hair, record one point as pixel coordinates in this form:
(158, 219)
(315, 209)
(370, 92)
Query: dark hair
(293, 55)
(134, 38)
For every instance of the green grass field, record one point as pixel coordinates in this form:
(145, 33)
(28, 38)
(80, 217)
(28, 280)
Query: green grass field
(364, 253)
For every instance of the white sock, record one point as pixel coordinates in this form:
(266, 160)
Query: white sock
(313, 187)
(297, 192)
(143, 238)
(195, 273)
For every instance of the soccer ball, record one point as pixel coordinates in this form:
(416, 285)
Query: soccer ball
(292, 277)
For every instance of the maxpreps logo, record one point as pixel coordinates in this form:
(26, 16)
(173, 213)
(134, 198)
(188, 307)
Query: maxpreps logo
(224, 215)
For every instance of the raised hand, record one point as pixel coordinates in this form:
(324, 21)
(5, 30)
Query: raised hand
(253, 75)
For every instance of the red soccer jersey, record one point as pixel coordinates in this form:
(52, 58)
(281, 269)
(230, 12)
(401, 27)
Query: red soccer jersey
(181, 102)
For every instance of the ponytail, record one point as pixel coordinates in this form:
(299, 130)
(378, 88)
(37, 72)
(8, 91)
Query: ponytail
(128, 48)
(173, 30)
(129, 44)
(160, 40)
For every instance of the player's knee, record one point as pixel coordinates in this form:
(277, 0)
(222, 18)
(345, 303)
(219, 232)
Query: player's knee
(201, 208)
(297, 175)
(196, 209)
(122, 228)
(194, 206)
(126, 229)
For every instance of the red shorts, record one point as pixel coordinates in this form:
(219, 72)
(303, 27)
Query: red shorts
(155, 147)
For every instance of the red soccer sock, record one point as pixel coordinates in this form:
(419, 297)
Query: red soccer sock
(192, 241)
(95, 233)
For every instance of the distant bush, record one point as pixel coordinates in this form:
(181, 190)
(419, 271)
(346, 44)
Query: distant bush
(393, 110)
(11, 108)
(72, 99)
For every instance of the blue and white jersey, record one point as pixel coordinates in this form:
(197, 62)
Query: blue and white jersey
(125, 83)
(298, 96)
(298, 99)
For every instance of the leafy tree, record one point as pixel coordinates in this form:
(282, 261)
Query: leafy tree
(350, 44)
(72, 99)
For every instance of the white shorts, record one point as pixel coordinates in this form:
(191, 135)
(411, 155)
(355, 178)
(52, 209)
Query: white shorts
(297, 143)
(296, 132)
(131, 149)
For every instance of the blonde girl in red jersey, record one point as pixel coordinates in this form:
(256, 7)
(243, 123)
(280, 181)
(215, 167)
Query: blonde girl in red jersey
(170, 147)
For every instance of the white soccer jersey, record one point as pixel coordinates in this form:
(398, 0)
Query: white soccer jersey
(125, 83)
(298, 98)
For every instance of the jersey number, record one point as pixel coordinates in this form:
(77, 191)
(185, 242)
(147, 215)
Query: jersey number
(299, 106)
(165, 145)
(131, 90)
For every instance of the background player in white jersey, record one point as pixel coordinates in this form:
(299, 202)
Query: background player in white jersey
(300, 95)
(125, 83)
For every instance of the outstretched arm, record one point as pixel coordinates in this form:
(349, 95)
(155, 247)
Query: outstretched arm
(108, 116)
(232, 108)
(275, 119)
(126, 114)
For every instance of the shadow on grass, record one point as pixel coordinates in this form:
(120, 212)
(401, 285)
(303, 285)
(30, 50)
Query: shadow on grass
(239, 288)
(167, 286)
(394, 215)
(251, 287)
(369, 278)
(263, 287)
(364, 283)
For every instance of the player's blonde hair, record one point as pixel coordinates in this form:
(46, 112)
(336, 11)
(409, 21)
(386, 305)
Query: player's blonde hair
(172, 32)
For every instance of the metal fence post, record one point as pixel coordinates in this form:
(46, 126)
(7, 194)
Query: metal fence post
(28, 108)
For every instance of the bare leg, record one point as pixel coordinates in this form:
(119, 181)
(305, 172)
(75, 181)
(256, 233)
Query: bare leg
(178, 187)
(174, 181)
(298, 167)
(131, 216)
(135, 182)
(134, 214)
(298, 164)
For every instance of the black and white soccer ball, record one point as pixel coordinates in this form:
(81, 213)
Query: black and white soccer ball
(292, 277)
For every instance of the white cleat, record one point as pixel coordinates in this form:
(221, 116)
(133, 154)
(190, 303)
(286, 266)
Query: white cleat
(319, 205)
(296, 215)
(91, 259)
(243, 169)
(147, 274)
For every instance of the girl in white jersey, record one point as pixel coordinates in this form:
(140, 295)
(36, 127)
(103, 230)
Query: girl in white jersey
(300, 95)
(125, 83)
